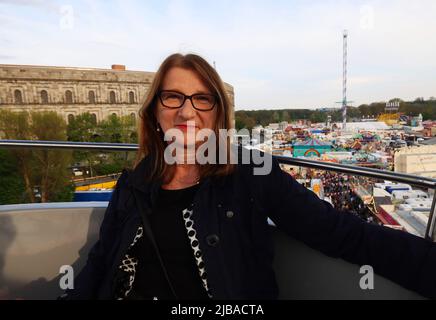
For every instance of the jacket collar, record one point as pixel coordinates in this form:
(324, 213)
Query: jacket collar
(136, 179)
(137, 176)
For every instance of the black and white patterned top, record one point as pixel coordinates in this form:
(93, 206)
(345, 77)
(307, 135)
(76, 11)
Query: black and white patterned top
(131, 262)
(195, 245)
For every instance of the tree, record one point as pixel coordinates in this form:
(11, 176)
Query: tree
(12, 189)
(128, 129)
(44, 169)
(286, 116)
(243, 120)
(52, 174)
(239, 123)
(84, 129)
(316, 117)
(15, 126)
(110, 129)
(396, 100)
(276, 116)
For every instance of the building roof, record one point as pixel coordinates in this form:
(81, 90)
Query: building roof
(368, 126)
(51, 73)
(117, 73)
(312, 142)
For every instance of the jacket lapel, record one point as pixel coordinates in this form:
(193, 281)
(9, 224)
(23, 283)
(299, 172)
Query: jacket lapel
(138, 179)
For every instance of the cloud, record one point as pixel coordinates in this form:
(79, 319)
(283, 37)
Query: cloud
(281, 53)
(6, 57)
(46, 5)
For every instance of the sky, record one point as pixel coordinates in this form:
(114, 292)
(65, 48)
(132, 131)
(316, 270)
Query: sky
(276, 54)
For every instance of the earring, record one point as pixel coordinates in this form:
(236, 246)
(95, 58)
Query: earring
(158, 127)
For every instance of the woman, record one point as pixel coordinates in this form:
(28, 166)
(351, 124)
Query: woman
(191, 231)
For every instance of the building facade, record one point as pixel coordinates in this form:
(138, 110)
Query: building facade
(73, 91)
(416, 160)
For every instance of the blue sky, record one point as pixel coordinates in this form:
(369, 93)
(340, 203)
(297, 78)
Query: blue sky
(276, 54)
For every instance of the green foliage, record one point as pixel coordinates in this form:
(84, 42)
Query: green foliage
(11, 183)
(64, 194)
(42, 168)
(108, 168)
(23, 170)
(82, 128)
(48, 126)
(113, 129)
(247, 119)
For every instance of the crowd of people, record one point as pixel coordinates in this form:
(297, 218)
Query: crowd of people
(339, 188)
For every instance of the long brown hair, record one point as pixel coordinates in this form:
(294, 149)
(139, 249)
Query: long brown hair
(151, 141)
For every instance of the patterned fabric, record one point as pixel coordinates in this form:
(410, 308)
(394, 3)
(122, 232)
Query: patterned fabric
(128, 268)
(195, 245)
(129, 263)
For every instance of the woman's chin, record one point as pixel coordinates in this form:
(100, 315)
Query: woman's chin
(192, 143)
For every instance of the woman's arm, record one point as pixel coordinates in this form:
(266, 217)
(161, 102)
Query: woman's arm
(397, 255)
(87, 283)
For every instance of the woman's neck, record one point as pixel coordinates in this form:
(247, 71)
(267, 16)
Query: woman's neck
(185, 175)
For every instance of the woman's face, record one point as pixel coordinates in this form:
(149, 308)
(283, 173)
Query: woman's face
(188, 83)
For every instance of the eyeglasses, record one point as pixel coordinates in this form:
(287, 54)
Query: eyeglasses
(200, 101)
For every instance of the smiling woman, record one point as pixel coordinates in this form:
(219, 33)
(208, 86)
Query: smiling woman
(191, 231)
(188, 95)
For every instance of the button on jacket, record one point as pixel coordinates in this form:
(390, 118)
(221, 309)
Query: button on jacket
(230, 215)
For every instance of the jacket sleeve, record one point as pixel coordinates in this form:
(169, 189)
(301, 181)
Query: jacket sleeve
(399, 256)
(88, 281)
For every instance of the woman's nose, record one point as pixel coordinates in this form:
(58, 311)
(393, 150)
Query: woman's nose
(187, 110)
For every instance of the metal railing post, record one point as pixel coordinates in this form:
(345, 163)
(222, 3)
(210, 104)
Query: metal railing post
(430, 232)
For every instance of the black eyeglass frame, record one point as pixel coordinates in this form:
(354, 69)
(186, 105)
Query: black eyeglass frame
(185, 97)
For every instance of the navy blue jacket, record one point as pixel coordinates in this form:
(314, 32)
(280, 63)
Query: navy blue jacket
(238, 248)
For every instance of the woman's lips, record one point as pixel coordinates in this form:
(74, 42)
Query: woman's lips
(185, 127)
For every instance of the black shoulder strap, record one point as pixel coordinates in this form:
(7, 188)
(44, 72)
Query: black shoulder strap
(149, 233)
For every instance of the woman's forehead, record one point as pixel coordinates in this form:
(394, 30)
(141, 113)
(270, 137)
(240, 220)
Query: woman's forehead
(184, 80)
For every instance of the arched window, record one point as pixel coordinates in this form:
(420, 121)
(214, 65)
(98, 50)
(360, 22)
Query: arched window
(68, 96)
(91, 97)
(44, 97)
(133, 117)
(18, 97)
(94, 118)
(112, 97)
(114, 115)
(131, 97)
(70, 118)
